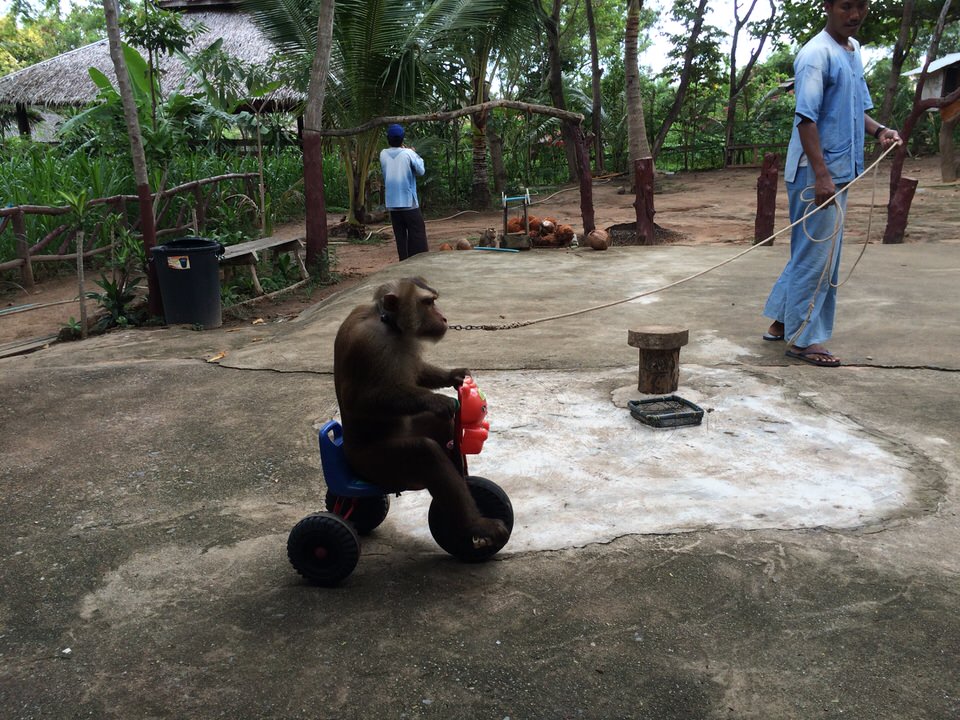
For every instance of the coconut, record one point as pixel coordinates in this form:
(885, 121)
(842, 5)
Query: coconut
(464, 244)
(564, 235)
(445, 246)
(514, 224)
(598, 239)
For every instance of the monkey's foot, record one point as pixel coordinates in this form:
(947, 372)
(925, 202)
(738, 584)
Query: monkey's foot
(488, 532)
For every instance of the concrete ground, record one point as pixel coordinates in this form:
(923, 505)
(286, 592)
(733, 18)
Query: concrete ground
(795, 556)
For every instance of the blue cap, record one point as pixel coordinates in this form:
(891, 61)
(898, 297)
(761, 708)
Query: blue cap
(395, 131)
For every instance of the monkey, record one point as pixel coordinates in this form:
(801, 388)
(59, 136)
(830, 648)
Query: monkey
(396, 431)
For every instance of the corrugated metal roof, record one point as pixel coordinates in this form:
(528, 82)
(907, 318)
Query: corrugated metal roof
(943, 62)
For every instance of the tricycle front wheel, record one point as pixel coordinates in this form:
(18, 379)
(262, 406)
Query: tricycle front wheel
(492, 502)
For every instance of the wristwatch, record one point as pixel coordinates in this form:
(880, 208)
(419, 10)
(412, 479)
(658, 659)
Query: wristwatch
(880, 129)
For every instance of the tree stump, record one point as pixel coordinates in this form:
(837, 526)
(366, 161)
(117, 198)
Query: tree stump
(659, 357)
(767, 198)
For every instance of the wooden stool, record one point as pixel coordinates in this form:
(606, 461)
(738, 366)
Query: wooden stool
(659, 356)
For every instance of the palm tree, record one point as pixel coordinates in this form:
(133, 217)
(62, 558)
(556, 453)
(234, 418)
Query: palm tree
(480, 42)
(377, 64)
(636, 124)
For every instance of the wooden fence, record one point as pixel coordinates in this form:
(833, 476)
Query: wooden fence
(62, 236)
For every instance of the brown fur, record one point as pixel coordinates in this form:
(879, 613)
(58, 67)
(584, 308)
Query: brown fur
(395, 429)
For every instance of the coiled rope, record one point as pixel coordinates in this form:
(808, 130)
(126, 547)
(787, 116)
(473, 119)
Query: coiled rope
(653, 291)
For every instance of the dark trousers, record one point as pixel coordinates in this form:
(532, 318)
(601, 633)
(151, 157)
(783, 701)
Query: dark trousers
(409, 231)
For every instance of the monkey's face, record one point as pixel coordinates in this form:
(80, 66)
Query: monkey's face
(410, 306)
(433, 325)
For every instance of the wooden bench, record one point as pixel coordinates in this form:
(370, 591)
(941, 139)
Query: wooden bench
(248, 254)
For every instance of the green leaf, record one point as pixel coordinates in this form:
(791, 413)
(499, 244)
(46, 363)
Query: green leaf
(101, 80)
(137, 69)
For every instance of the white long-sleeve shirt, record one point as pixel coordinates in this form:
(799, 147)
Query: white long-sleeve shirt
(399, 165)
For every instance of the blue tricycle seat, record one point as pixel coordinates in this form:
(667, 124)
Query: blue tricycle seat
(339, 477)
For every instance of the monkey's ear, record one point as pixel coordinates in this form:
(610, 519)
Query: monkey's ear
(390, 302)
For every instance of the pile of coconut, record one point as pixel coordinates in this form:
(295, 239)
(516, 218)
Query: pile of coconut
(545, 232)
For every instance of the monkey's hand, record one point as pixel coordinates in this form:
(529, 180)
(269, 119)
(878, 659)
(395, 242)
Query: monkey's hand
(443, 406)
(457, 375)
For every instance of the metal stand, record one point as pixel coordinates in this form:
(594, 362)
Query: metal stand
(522, 201)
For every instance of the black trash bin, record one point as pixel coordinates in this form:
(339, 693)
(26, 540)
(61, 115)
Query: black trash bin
(188, 270)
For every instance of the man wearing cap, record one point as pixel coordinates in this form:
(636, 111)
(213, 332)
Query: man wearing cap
(399, 163)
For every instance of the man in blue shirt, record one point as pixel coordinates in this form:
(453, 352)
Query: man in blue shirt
(399, 164)
(825, 153)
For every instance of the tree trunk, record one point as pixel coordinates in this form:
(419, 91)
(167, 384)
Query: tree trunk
(148, 226)
(586, 185)
(904, 40)
(316, 207)
(480, 193)
(555, 78)
(495, 143)
(737, 85)
(899, 210)
(643, 181)
(596, 72)
(685, 74)
(637, 142)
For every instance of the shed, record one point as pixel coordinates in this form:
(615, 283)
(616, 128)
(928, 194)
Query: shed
(943, 77)
(64, 81)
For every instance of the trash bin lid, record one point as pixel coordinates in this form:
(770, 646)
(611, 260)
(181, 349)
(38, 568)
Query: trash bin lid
(187, 245)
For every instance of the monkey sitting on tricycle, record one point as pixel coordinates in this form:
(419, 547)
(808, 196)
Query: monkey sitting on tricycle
(398, 435)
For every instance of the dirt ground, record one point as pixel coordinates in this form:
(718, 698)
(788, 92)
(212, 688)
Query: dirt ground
(698, 208)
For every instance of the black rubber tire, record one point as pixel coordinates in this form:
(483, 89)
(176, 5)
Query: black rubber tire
(368, 512)
(323, 548)
(492, 502)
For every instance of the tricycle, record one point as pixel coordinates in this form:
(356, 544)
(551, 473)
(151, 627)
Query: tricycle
(324, 547)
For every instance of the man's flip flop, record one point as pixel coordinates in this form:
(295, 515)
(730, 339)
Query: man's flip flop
(771, 337)
(820, 358)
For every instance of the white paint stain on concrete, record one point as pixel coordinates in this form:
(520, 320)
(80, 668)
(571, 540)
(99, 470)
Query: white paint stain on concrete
(579, 469)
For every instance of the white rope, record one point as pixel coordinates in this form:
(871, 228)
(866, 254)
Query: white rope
(646, 293)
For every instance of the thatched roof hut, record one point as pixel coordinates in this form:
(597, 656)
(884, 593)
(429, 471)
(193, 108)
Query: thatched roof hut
(64, 81)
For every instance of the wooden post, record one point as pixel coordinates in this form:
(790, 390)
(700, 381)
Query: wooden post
(767, 198)
(23, 249)
(23, 121)
(586, 184)
(948, 157)
(643, 182)
(898, 210)
(80, 285)
(659, 357)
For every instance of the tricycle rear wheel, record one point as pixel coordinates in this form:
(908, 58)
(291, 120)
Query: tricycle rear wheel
(367, 513)
(323, 548)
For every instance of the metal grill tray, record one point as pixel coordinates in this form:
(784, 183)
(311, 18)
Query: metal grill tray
(666, 412)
